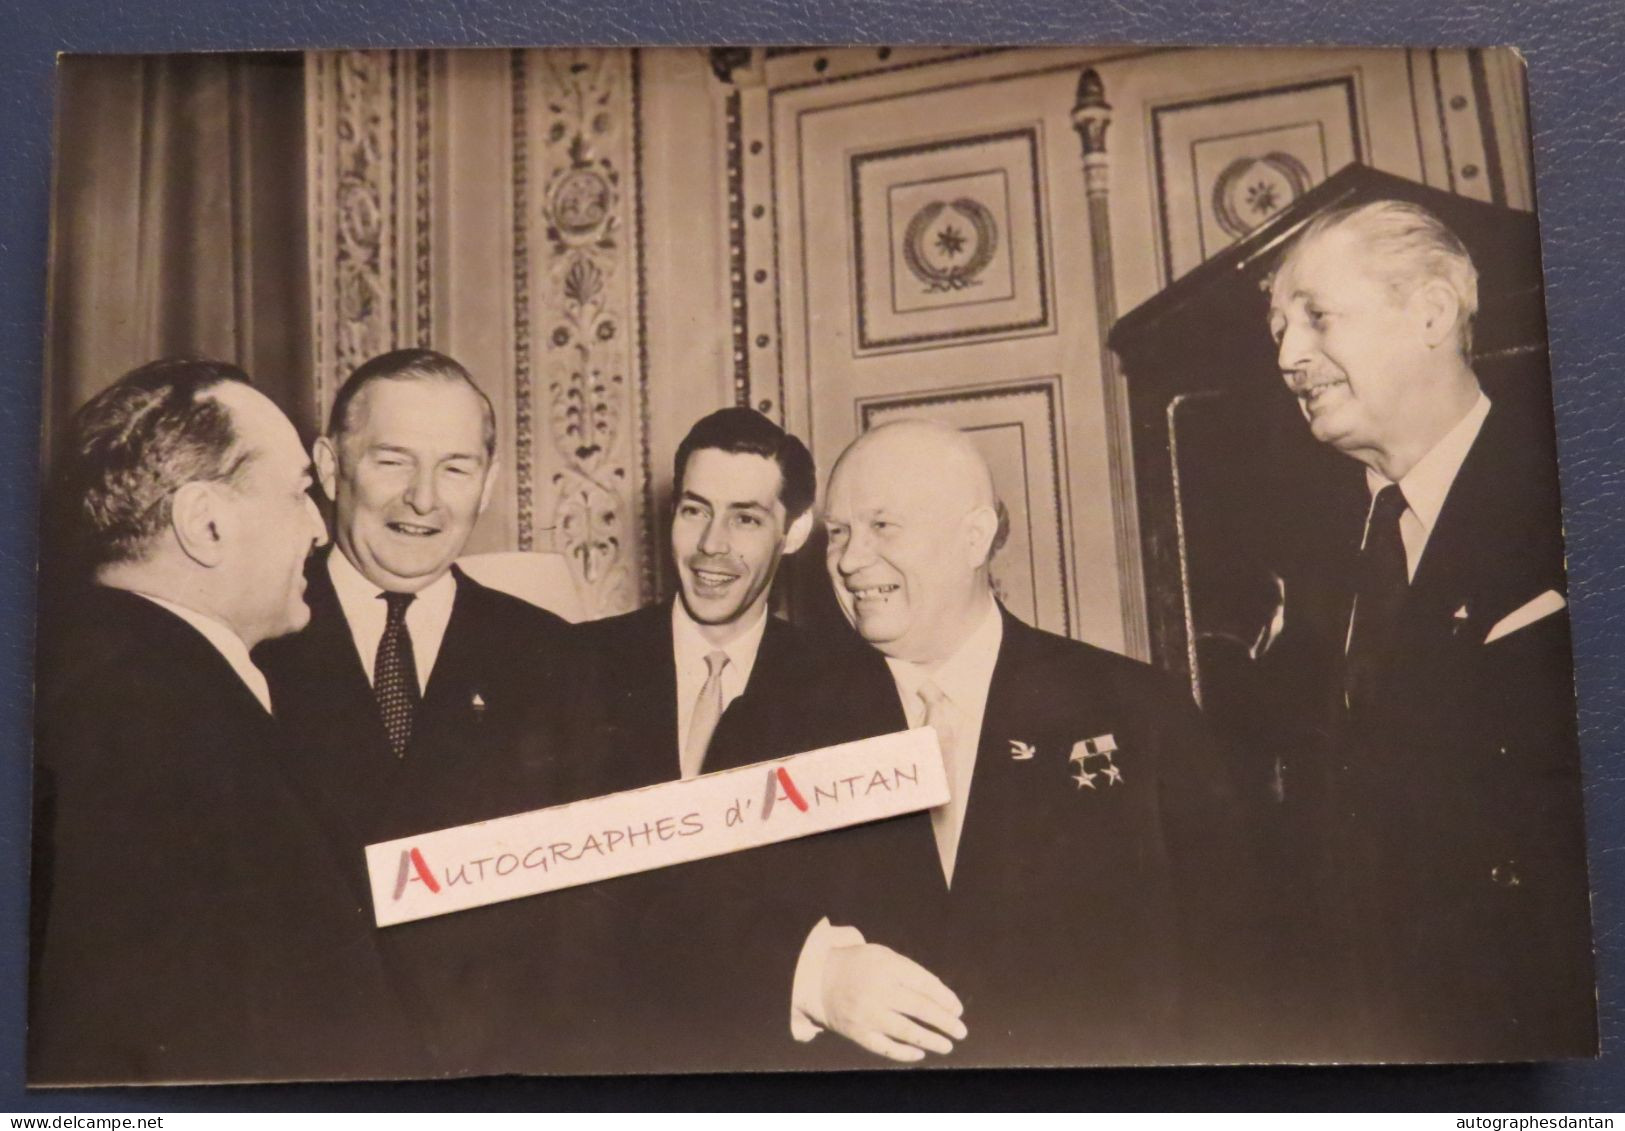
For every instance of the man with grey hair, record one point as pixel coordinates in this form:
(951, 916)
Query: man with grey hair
(414, 684)
(1432, 764)
(190, 922)
(1075, 899)
(422, 699)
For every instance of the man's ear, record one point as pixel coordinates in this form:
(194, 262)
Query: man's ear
(325, 455)
(981, 527)
(1439, 307)
(200, 523)
(796, 537)
(491, 474)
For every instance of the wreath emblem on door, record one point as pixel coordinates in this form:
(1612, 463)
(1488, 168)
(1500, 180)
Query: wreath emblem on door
(947, 245)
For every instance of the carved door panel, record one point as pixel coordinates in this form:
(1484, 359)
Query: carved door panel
(934, 261)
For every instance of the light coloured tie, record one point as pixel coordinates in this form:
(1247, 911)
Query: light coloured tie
(707, 713)
(946, 820)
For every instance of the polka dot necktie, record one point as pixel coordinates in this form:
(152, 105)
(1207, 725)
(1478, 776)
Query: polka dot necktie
(395, 675)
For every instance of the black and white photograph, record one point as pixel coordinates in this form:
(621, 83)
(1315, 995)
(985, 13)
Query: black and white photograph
(432, 437)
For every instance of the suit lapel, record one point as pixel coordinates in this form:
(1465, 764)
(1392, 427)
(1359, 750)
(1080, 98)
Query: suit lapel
(1466, 521)
(649, 709)
(449, 698)
(772, 677)
(335, 666)
(1003, 789)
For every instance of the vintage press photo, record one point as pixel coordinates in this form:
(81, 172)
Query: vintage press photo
(433, 437)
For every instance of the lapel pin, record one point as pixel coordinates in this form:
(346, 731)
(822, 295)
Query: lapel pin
(477, 702)
(1102, 746)
(1021, 751)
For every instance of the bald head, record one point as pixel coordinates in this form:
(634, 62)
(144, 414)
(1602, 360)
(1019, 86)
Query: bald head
(912, 520)
(957, 469)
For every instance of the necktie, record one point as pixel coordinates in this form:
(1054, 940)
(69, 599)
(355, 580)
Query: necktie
(1381, 584)
(395, 675)
(946, 820)
(707, 713)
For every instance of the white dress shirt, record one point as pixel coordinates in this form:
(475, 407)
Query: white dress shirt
(366, 613)
(1426, 485)
(964, 678)
(226, 642)
(689, 649)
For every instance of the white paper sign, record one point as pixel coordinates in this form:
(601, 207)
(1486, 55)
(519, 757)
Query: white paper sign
(470, 866)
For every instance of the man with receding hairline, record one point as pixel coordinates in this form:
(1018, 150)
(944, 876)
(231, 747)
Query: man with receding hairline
(414, 683)
(422, 699)
(190, 919)
(1056, 910)
(1430, 762)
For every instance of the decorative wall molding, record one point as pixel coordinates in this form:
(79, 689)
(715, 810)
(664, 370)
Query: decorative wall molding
(753, 245)
(1091, 118)
(370, 185)
(576, 259)
(561, 334)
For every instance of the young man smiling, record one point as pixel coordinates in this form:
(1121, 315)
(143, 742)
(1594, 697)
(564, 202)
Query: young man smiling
(710, 679)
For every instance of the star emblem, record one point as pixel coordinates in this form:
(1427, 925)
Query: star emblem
(1102, 747)
(950, 241)
(1262, 197)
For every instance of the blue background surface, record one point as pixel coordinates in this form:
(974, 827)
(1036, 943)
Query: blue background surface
(1576, 53)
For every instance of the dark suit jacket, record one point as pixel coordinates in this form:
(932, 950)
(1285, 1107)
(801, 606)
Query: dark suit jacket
(478, 745)
(1443, 830)
(1084, 925)
(480, 979)
(688, 957)
(191, 921)
(794, 701)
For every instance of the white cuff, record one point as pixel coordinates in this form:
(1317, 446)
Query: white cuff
(807, 991)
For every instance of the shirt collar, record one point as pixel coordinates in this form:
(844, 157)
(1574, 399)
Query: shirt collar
(690, 646)
(1427, 484)
(359, 597)
(963, 677)
(225, 641)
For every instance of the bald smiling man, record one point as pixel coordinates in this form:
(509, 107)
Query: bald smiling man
(1070, 903)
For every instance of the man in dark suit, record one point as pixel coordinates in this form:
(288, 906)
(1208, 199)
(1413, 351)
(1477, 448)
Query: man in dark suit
(710, 679)
(422, 699)
(1077, 898)
(1423, 667)
(190, 921)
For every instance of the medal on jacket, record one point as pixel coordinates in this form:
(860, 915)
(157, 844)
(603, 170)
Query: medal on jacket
(1101, 747)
